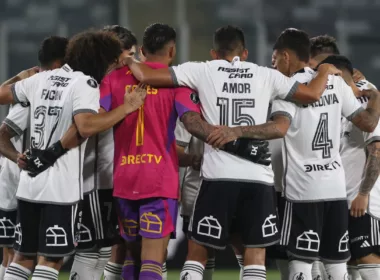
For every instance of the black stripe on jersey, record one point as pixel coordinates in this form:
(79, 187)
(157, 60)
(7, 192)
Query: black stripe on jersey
(362, 99)
(298, 72)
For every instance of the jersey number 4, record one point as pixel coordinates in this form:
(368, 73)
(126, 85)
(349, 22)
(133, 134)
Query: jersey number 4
(321, 139)
(238, 117)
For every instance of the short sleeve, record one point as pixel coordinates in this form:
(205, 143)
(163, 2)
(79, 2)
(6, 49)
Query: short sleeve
(182, 136)
(86, 96)
(21, 90)
(350, 105)
(186, 100)
(282, 87)
(105, 93)
(187, 74)
(373, 136)
(284, 108)
(18, 118)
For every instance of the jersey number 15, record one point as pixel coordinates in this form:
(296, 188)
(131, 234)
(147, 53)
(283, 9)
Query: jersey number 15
(238, 117)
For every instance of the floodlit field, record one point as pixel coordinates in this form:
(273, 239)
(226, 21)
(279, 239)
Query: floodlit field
(219, 275)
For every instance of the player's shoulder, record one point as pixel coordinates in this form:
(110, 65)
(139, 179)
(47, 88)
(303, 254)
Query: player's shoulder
(365, 85)
(303, 75)
(84, 81)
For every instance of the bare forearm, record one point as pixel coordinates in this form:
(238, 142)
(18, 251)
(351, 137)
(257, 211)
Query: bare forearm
(313, 92)
(11, 81)
(7, 149)
(196, 126)
(72, 138)
(372, 168)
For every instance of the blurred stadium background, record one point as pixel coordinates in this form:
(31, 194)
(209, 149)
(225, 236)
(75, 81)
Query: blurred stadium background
(24, 23)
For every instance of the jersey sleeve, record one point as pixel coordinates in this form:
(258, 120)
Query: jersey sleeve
(18, 118)
(86, 96)
(282, 87)
(186, 100)
(350, 105)
(284, 108)
(373, 136)
(21, 90)
(182, 136)
(187, 74)
(105, 93)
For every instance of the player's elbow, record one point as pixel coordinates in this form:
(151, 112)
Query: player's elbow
(85, 129)
(368, 127)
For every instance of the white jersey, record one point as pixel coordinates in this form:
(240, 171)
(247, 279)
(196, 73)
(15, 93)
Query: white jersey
(55, 97)
(18, 121)
(191, 179)
(234, 94)
(98, 162)
(313, 167)
(352, 150)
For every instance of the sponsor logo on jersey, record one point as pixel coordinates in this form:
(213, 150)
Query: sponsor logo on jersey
(140, 159)
(365, 244)
(59, 81)
(92, 83)
(320, 167)
(236, 73)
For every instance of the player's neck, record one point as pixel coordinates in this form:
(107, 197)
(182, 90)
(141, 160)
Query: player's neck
(157, 59)
(296, 66)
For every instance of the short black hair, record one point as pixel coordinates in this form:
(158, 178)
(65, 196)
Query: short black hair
(52, 48)
(323, 44)
(127, 38)
(339, 61)
(93, 52)
(157, 36)
(295, 40)
(229, 39)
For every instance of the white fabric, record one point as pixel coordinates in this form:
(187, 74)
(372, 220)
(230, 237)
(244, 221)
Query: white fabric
(313, 167)
(191, 179)
(337, 271)
(18, 120)
(300, 268)
(235, 94)
(55, 97)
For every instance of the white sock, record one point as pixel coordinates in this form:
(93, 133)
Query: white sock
(192, 270)
(112, 271)
(353, 272)
(104, 256)
(283, 267)
(240, 260)
(300, 268)
(2, 271)
(318, 269)
(83, 265)
(164, 271)
(369, 271)
(42, 272)
(17, 272)
(336, 271)
(254, 272)
(209, 269)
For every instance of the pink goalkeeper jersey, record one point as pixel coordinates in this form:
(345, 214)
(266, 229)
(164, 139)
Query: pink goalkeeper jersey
(145, 159)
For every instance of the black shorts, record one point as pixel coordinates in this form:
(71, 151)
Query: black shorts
(277, 251)
(316, 230)
(249, 206)
(8, 221)
(364, 236)
(96, 223)
(45, 229)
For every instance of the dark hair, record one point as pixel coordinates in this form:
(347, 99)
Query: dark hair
(127, 38)
(156, 36)
(229, 39)
(323, 44)
(92, 52)
(295, 40)
(52, 48)
(339, 61)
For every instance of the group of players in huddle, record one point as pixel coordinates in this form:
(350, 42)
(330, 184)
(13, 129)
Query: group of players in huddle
(105, 134)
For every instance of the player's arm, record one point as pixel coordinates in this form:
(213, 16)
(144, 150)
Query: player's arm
(196, 126)
(7, 149)
(183, 138)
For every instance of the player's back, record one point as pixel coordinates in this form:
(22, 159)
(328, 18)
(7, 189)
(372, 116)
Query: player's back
(313, 166)
(144, 141)
(55, 97)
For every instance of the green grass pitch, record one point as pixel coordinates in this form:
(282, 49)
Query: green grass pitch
(218, 275)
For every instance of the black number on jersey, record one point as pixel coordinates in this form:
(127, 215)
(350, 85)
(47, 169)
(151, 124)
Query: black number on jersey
(238, 117)
(37, 140)
(321, 139)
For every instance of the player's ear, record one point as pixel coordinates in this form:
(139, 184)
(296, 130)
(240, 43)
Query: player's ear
(244, 55)
(214, 54)
(172, 52)
(142, 54)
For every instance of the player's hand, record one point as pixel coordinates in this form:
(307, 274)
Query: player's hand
(127, 61)
(358, 76)
(370, 92)
(196, 162)
(359, 205)
(329, 69)
(21, 161)
(133, 100)
(222, 135)
(28, 73)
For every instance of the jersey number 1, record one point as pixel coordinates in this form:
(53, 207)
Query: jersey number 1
(321, 139)
(238, 117)
(140, 127)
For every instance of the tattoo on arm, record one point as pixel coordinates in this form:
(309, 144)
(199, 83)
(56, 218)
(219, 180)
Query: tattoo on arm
(196, 126)
(7, 149)
(372, 168)
(269, 130)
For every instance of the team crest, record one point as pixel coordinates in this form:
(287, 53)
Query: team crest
(299, 276)
(92, 83)
(186, 276)
(194, 97)
(74, 276)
